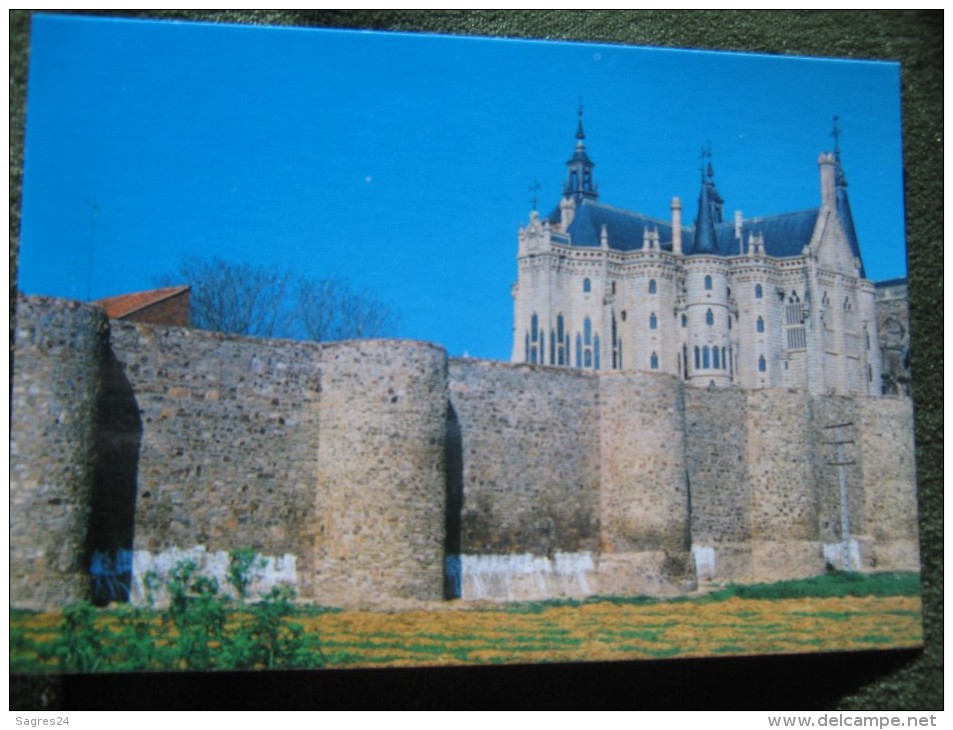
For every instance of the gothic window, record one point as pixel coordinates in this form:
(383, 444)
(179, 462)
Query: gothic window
(613, 287)
(729, 320)
(850, 329)
(552, 347)
(587, 343)
(534, 340)
(526, 351)
(731, 363)
(586, 286)
(794, 323)
(685, 361)
(652, 287)
(760, 325)
(714, 357)
(560, 338)
(697, 361)
(708, 282)
(706, 357)
(684, 320)
(758, 291)
(654, 361)
(762, 365)
(653, 321)
(596, 354)
(709, 318)
(724, 360)
(578, 350)
(616, 355)
(827, 315)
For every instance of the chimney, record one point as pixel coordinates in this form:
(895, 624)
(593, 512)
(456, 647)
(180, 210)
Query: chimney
(567, 209)
(676, 226)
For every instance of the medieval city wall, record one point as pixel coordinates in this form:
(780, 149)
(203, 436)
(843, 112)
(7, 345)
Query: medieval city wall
(527, 475)
(60, 351)
(646, 538)
(378, 471)
(229, 434)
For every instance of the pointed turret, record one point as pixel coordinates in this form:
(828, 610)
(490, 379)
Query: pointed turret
(579, 184)
(710, 205)
(840, 192)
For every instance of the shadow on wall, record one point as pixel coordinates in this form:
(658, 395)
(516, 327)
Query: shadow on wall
(453, 573)
(111, 529)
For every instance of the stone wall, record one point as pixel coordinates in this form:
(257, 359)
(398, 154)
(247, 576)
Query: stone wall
(377, 472)
(644, 492)
(716, 434)
(381, 480)
(229, 441)
(528, 472)
(57, 374)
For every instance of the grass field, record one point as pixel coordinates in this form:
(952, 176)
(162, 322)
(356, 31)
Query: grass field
(842, 614)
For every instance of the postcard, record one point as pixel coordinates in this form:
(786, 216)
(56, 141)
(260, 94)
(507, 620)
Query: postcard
(345, 349)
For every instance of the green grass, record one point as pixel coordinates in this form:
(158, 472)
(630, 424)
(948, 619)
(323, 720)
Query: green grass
(832, 585)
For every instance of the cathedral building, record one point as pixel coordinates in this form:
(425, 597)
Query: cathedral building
(778, 301)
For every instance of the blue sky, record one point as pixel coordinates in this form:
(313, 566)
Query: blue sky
(403, 163)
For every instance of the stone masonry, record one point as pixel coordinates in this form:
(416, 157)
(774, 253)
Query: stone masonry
(383, 473)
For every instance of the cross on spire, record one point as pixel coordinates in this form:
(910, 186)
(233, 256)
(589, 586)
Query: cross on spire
(836, 133)
(534, 188)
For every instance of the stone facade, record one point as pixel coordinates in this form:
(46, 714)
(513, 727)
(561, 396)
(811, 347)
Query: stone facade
(893, 332)
(382, 473)
(774, 301)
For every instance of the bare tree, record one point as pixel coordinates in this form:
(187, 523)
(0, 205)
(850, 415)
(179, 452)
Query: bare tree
(329, 309)
(265, 302)
(235, 298)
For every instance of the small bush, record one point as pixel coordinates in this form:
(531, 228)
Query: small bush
(200, 629)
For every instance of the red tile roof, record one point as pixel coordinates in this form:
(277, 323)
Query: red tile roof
(125, 304)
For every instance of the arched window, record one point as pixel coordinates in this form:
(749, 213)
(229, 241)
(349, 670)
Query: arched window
(684, 320)
(653, 321)
(697, 361)
(706, 357)
(586, 286)
(596, 354)
(560, 338)
(724, 360)
(709, 318)
(552, 347)
(652, 287)
(714, 357)
(654, 361)
(613, 287)
(758, 291)
(760, 324)
(708, 282)
(762, 365)
(526, 351)
(685, 361)
(794, 323)
(578, 350)
(587, 343)
(534, 339)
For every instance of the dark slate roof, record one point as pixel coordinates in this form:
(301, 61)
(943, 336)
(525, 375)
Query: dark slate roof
(785, 235)
(625, 228)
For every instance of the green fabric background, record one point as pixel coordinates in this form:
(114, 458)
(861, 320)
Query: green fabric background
(867, 681)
